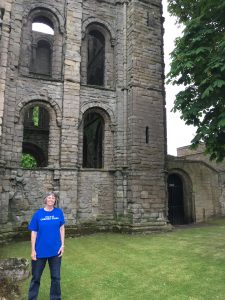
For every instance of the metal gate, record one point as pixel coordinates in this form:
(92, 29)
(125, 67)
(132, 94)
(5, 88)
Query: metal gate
(176, 214)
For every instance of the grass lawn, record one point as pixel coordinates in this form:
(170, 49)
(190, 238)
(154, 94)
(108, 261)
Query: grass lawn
(183, 264)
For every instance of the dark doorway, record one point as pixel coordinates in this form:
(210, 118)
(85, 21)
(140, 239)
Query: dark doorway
(176, 213)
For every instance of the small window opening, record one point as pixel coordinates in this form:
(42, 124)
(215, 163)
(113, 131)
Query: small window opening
(93, 141)
(35, 138)
(96, 58)
(147, 135)
(148, 21)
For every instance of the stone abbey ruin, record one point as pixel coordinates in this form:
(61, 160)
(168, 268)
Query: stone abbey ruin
(95, 83)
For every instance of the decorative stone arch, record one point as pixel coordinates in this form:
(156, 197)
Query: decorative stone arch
(106, 25)
(58, 21)
(49, 103)
(29, 40)
(55, 120)
(104, 107)
(92, 24)
(108, 117)
(188, 197)
(43, 38)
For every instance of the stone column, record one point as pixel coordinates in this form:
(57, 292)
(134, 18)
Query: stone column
(71, 109)
(146, 114)
(121, 111)
(5, 11)
(71, 97)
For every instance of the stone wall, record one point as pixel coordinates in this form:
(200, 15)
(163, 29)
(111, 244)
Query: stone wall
(95, 196)
(199, 154)
(5, 12)
(130, 190)
(204, 188)
(22, 193)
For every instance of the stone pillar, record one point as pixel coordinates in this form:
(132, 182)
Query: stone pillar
(120, 183)
(71, 97)
(5, 11)
(121, 86)
(71, 109)
(146, 115)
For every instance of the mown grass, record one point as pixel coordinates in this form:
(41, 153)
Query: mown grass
(179, 265)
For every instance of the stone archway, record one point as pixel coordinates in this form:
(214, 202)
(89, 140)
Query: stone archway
(180, 202)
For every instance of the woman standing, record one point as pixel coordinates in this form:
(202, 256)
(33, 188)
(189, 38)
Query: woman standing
(47, 244)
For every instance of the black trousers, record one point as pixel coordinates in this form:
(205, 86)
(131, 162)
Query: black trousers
(37, 270)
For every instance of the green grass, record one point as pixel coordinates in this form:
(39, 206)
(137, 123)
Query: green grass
(183, 264)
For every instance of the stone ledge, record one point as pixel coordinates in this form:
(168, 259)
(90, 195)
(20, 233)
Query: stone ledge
(90, 227)
(14, 268)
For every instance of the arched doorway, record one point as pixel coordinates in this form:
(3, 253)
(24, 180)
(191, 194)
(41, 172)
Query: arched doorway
(176, 210)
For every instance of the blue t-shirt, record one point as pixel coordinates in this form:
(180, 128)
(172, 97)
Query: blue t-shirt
(47, 225)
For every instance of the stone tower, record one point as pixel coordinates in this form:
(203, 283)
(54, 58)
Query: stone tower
(96, 83)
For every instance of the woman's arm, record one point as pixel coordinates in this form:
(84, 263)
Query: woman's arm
(33, 241)
(62, 236)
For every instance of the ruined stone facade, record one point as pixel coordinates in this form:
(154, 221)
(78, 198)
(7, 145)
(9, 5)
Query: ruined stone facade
(104, 66)
(96, 83)
(203, 183)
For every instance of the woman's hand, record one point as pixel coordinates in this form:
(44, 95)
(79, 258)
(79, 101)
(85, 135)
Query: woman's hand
(61, 251)
(33, 255)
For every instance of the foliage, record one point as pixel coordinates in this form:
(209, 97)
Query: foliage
(180, 265)
(198, 64)
(28, 161)
(36, 111)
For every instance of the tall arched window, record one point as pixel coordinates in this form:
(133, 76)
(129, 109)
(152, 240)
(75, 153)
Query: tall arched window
(93, 140)
(36, 135)
(96, 58)
(41, 52)
(42, 39)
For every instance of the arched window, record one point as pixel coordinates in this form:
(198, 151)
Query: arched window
(42, 39)
(97, 54)
(93, 140)
(41, 51)
(96, 58)
(36, 134)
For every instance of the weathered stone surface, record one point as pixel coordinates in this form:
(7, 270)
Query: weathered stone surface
(130, 100)
(131, 186)
(14, 268)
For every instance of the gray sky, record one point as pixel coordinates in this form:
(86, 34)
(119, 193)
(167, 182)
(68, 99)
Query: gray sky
(178, 134)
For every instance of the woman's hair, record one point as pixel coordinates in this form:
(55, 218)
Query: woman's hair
(50, 194)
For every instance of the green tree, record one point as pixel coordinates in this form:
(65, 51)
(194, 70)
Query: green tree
(198, 64)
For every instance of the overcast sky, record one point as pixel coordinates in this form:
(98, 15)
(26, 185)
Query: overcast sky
(178, 134)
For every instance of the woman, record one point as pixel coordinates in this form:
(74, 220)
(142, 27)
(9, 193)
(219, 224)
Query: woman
(47, 244)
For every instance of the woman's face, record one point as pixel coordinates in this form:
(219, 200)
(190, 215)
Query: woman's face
(50, 200)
